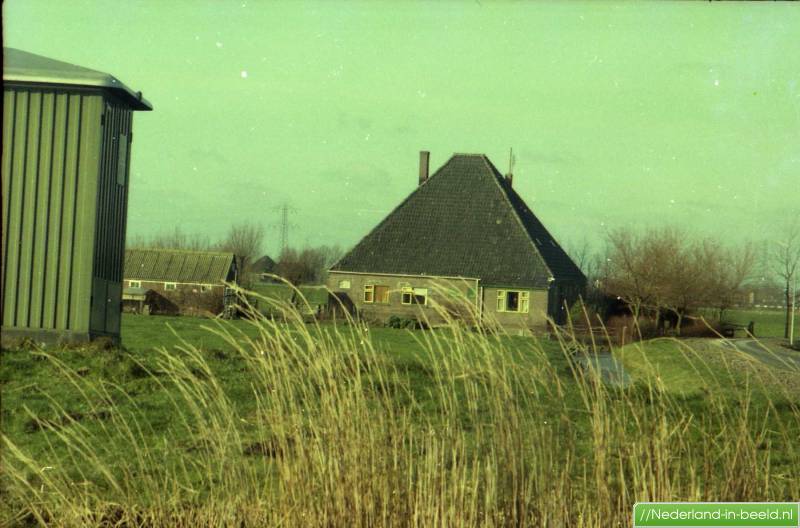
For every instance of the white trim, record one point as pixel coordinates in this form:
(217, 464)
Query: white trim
(523, 300)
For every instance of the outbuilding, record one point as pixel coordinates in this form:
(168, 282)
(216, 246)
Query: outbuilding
(66, 149)
(180, 281)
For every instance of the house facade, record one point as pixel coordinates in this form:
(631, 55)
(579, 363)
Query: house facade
(177, 281)
(463, 237)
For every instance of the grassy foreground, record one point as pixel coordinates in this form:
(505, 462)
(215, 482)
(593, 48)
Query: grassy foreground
(282, 423)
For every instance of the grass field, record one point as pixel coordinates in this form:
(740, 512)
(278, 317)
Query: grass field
(197, 422)
(768, 322)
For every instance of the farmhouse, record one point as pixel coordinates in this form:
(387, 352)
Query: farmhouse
(67, 133)
(464, 231)
(178, 281)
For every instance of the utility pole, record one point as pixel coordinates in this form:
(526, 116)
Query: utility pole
(284, 225)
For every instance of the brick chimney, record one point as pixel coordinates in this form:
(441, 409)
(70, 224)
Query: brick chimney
(424, 158)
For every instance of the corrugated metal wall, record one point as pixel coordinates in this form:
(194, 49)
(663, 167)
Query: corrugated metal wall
(112, 204)
(51, 140)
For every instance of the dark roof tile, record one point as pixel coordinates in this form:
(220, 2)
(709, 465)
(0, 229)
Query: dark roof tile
(465, 221)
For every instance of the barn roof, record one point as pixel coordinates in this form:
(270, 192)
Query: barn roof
(465, 221)
(173, 265)
(22, 66)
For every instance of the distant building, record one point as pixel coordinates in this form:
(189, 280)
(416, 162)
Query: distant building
(467, 231)
(178, 281)
(67, 133)
(262, 268)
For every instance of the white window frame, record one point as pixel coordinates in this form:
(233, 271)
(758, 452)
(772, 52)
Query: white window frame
(170, 286)
(420, 292)
(523, 301)
(408, 295)
(134, 284)
(344, 284)
(369, 293)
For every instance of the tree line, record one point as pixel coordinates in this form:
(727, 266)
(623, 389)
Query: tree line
(670, 273)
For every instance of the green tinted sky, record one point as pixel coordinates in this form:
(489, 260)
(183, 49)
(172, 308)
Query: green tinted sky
(684, 113)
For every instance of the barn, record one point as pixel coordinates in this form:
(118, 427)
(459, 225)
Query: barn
(67, 133)
(463, 232)
(174, 281)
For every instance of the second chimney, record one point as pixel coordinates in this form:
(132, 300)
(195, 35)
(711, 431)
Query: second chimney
(424, 157)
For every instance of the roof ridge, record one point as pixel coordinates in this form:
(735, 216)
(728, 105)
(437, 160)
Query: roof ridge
(497, 179)
(169, 250)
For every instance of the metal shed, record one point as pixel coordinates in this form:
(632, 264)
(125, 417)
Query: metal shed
(66, 149)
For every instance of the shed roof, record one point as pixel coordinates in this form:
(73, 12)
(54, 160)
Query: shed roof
(173, 265)
(22, 66)
(466, 220)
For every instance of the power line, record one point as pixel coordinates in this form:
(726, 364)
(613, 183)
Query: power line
(284, 225)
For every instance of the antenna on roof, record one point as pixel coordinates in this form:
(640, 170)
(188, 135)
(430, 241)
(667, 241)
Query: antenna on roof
(510, 173)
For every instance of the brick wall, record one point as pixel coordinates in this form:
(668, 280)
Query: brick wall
(441, 292)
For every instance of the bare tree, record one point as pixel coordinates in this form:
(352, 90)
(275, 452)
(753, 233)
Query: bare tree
(175, 239)
(309, 265)
(725, 271)
(629, 274)
(665, 270)
(296, 267)
(583, 256)
(787, 265)
(245, 241)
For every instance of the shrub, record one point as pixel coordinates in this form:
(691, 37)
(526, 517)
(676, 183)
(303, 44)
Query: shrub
(396, 321)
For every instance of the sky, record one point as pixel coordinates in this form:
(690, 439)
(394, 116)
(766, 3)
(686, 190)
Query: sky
(619, 114)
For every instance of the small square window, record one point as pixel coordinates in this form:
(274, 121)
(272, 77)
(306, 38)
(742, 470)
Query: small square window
(406, 295)
(135, 284)
(170, 286)
(409, 295)
(344, 284)
(420, 296)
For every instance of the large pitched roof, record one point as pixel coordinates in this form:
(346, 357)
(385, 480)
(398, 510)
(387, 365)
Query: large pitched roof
(172, 265)
(465, 221)
(23, 66)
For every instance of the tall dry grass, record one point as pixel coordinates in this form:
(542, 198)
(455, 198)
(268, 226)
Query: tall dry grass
(503, 434)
